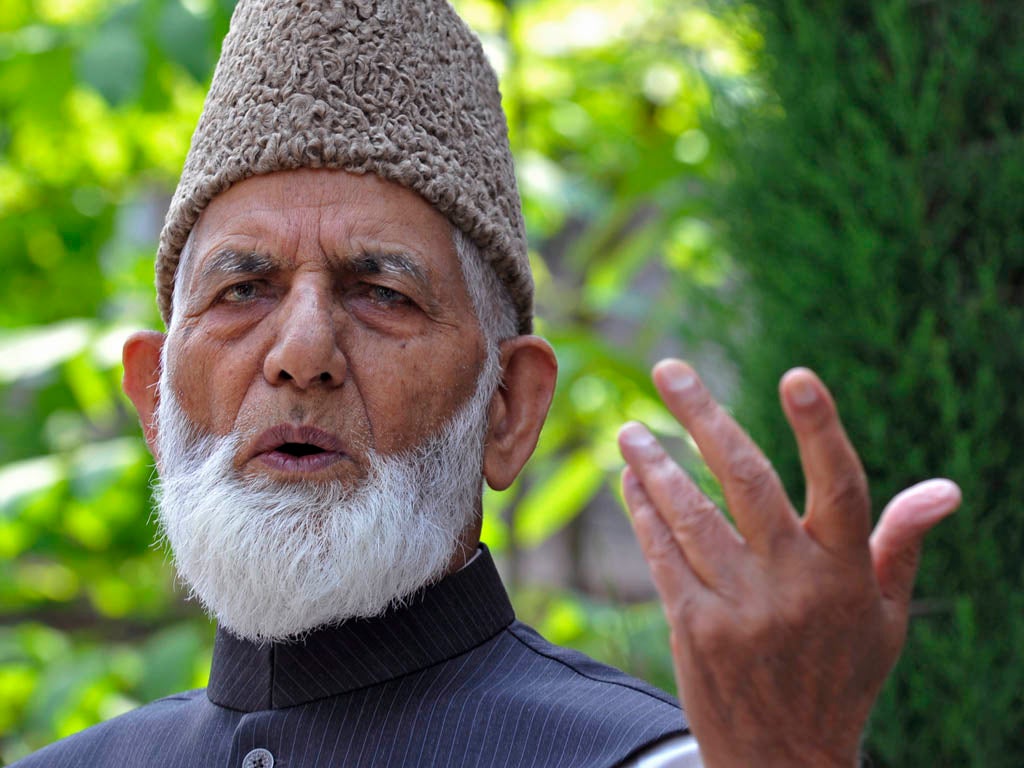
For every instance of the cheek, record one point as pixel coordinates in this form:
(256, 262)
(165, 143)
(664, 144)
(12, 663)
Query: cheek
(210, 378)
(417, 395)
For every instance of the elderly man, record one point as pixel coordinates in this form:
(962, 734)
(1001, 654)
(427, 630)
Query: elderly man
(348, 359)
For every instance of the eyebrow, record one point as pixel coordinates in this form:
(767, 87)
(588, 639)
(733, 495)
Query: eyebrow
(397, 264)
(232, 262)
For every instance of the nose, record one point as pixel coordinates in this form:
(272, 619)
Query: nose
(305, 351)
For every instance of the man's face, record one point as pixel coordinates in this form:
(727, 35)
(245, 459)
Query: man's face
(323, 403)
(321, 315)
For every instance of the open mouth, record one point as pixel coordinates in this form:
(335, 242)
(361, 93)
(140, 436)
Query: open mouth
(297, 449)
(299, 457)
(300, 449)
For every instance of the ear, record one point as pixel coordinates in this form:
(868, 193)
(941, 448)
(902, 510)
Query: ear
(519, 407)
(141, 357)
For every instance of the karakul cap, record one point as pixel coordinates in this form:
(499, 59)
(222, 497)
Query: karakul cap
(398, 88)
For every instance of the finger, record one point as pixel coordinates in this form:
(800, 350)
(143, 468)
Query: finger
(706, 539)
(752, 490)
(896, 541)
(675, 581)
(838, 513)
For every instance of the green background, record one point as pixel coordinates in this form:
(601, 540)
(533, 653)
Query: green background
(753, 185)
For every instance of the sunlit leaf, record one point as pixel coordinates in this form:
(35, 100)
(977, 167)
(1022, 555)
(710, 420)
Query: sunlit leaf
(28, 477)
(554, 501)
(564, 622)
(30, 351)
(168, 658)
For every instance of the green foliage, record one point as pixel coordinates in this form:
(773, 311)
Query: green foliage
(98, 99)
(876, 213)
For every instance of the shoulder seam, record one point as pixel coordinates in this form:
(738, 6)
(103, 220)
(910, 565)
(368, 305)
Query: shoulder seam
(511, 630)
(189, 695)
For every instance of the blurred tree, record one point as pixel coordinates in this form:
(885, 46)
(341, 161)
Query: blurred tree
(98, 99)
(875, 210)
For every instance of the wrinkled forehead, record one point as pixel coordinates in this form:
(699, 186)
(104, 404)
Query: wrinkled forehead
(287, 213)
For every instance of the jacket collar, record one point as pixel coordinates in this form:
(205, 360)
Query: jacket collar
(438, 623)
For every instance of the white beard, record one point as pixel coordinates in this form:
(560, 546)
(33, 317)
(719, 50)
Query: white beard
(271, 560)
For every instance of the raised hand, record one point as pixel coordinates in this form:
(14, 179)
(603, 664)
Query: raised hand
(784, 627)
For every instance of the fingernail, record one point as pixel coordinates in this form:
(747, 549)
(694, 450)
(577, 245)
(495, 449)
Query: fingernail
(803, 393)
(677, 376)
(636, 435)
(941, 490)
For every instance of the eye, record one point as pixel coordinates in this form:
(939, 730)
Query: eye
(240, 293)
(385, 296)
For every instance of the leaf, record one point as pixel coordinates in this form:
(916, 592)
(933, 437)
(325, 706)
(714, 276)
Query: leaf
(168, 656)
(552, 503)
(31, 351)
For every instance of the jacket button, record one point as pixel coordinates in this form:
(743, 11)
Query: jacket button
(258, 758)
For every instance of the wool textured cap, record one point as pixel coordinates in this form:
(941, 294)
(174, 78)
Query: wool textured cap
(398, 88)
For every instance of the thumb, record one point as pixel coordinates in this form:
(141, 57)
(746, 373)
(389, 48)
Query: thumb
(896, 540)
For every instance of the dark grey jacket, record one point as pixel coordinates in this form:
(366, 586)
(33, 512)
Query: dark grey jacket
(452, 679)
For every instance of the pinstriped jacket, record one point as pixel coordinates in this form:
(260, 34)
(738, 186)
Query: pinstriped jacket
(451, 679)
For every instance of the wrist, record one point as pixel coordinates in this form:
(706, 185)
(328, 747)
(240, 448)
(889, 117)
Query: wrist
(801, 756)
